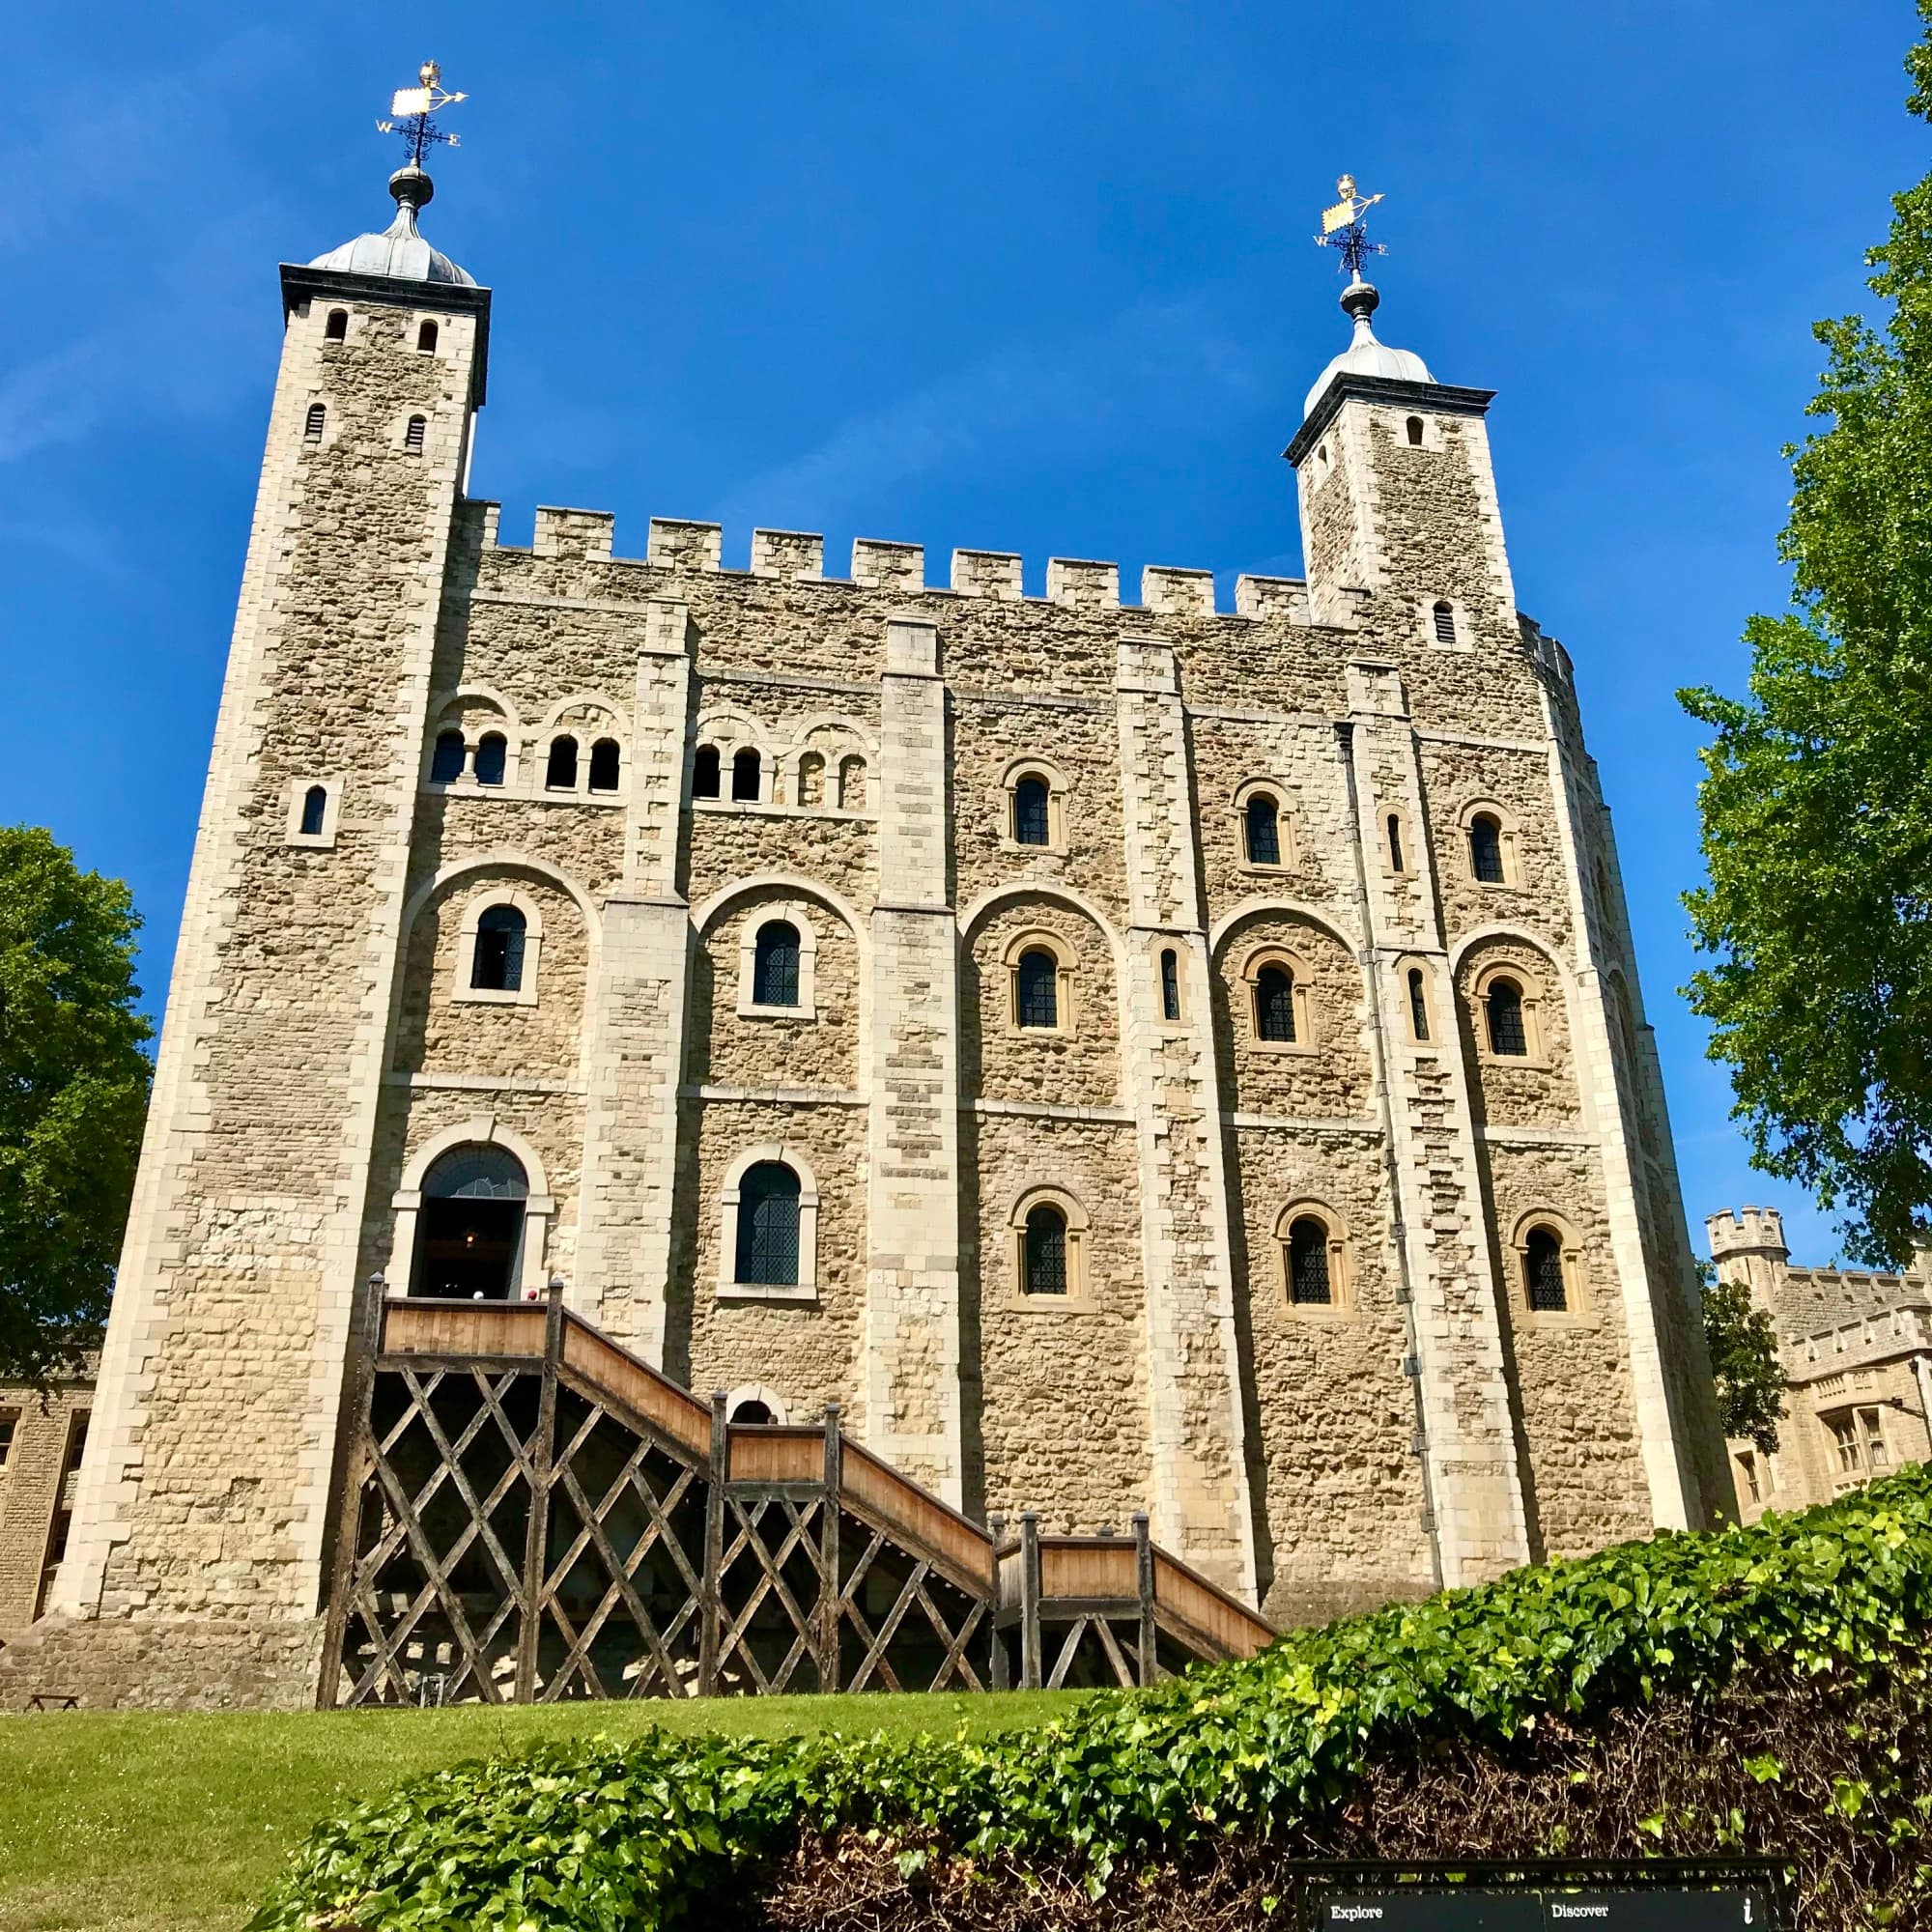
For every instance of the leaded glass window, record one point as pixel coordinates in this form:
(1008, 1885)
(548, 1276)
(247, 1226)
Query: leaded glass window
(1032, 808)
(497, 966)
(1038, 988)
(1542, 1272)
(1274, 1003)
(768, 1225)
(1263, 819)
(1308, 1282)
(775, 965)
(1045, 1250)
(1507, 1033)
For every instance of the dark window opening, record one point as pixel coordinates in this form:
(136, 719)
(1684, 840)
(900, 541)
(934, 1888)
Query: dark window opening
(753, 1412)
(446, 767)
(704, 772)
(497, 966)
(337, 326)
(312, 423)
(1262, 819)
(10, 1420)
(561, 767)
(426, 338)
(1542, 1272)
(1486, 849)
(1415, 430)
(412, 437)
(775, 965)
(470, 1227)
(1038, 988)
(604, 760)
(493, 755)
(1169, 985)
(1032, 810)
(1274, 1003)
(745, 775)
(1445, 623)
(315, 803)
(1395, 843)
(1308, 1282)
(1045, 1247)
(1507, 1031)
(768, 1226)
(1418, 1004)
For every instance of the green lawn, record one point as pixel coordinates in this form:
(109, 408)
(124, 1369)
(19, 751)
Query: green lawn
(149, 1822)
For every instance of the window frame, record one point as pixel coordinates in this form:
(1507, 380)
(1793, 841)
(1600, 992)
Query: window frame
(797, 915)
(1273, 953)
(1427, 604)
(1341, 1303)
(728, 1287)
(1287, 845)
(1040, 939)
(295, 799)
(1056, 787)
(1164, 946)
(473, 908)
(1534, 1039)
(1578, 1310)
(1079, 1296)
(1506, 829)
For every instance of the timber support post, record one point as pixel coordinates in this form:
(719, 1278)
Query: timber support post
(1146, 1663)
(712, 1612)
(830, 1600)
(1028, 1599)
(536, 1534)
(1000, 1673)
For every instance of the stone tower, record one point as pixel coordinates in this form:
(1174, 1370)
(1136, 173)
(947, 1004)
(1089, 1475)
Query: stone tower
(1127, 1056)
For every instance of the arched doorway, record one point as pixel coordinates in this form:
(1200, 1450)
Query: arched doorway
(469, 1231)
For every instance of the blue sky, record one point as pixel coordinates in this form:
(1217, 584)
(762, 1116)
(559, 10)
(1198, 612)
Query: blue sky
(1033, 278)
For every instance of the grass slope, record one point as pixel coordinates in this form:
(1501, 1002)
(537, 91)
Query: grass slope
(153, 1822)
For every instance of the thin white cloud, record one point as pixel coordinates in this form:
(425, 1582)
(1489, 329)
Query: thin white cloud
(53, 399)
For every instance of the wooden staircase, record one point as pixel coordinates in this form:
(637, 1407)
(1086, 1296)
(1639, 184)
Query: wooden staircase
(535, 1514)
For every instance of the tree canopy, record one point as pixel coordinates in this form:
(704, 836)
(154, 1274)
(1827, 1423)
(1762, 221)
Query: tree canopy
(73, 1092)
(1817, 798)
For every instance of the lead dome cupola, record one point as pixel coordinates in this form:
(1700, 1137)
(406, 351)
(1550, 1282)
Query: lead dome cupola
(400, 250)
(1364, 354)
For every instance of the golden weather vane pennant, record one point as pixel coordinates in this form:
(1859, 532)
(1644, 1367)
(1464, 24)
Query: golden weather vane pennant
(1343, 229)
(414, 111)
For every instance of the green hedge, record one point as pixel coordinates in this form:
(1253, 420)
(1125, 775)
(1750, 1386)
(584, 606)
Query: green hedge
(599, 1835)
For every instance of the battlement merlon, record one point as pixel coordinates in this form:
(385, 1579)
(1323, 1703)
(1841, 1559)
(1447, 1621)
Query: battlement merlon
(302, 286)
(1749, 1231)
(1440, 398)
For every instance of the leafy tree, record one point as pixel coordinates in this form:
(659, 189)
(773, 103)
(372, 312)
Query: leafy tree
(74, 1091)
(1743, 1361)
(1817, 800)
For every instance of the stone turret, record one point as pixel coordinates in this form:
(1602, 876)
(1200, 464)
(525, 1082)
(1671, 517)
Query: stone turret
(1747, 1246)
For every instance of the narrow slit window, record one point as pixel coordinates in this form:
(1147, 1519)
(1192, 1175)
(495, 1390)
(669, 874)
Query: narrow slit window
(1169, 984)
(1415, 432)
(446, 767)
(605, 762)
(768, 1200)
(493, 758)
(426, 338)
(498, 963)
(315, 804)
(1263, 820)
(1543, 1271)
(561, 767)
(1039, 989)
(312, 423)
(1046, 1245)
(1395, 845)
(744, 776)
(1033, 805)
(1486, 849)
(774, 964)
(1445, 623)
(1274, 1005)
(336, 328)
(1418, 1004)
(1508, 1034)
(704, 775)
(1309, 1285)
(412, 435)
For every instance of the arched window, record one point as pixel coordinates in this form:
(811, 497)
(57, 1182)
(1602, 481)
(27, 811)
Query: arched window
(768, 1225)
(752, 1410)
(775, 965)
(493, 752)
(1037, 991)
(1395, 843)
(1418, 1004)
(1274, 1005)
(470, 1230)
(1485, 848)
(851, 785)
(336, 328)
(497, 966)
(1415, 432)
(1169, 984)
(412, 435)
(561, 767)
(704, 772)
(1543, 1271)
(604, 763)
(315, 804)
(1308, 1282)
(1044, 1250)
(312, 423)
(1445, 621)
(1033, 804)
(446, 767)
(426, 338)
(1507, 1031)
(744, 773)
(1261, 821)
(811, 780)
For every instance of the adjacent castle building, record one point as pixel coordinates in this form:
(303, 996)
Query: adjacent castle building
(1130, 1053)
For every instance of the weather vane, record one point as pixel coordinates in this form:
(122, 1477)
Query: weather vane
(1342, 226)
(413, 110)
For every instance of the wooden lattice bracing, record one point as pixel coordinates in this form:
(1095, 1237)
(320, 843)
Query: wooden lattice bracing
(534, 1515)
